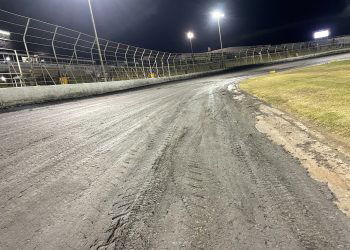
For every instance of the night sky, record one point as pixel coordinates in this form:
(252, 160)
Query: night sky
(162, 24)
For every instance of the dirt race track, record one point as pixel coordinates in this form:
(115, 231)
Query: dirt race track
(175, 166)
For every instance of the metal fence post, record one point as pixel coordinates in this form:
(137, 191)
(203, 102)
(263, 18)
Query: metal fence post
(75, 50)
(186, 64)
(93, 61)
(92, 52)
(279, 53)
(104, 52)
(163, 64)
(24, 38)
(136, 69)
(157, 64)
(260, 54)
(276, 52)
(149, 62)
(239, 58)
(181, 66)
(143, 66)
(27, 51)
(246, 57)
(116, 53)
(254, 55)
(54, 52)
(169, 64)
(19, 68)
(268, 54)
(175, 64)
(106, 64)
(43, 74)
(192, 57)
(126, 58)
(53, 45)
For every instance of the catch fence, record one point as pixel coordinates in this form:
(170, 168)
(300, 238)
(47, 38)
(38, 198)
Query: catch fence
(33, 52)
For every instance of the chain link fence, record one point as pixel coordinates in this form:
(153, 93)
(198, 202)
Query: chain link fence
(33, 52)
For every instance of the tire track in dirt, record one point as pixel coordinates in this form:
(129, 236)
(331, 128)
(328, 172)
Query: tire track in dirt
(143, 201)
(294, 207)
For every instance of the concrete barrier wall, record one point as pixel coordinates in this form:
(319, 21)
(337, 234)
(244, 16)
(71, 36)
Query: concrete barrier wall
(38, 94)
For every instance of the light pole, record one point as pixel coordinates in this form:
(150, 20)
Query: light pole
(190, 36)
(97, 41)
(218, 15)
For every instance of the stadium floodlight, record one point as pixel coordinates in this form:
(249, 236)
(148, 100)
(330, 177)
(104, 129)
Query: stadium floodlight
(5, 33)
(322, 34)
(218, 15)
(190, 36)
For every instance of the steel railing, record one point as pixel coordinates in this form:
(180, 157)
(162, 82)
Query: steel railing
(33, 52)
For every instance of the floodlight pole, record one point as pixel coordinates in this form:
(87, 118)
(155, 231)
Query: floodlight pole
(222, 52)
(190, 36)
(97, 41)
(218, 15)
(219, 26)
(191, 45)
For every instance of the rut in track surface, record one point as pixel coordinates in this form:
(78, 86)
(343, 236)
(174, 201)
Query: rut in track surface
(221, 184)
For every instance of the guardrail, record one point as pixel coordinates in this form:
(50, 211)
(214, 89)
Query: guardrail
(33, 52)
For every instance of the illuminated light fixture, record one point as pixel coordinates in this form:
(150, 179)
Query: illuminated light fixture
(5, 33)
(217, 14)
(322, 34)
(190, 35)
(2, 78)
(8, 59)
